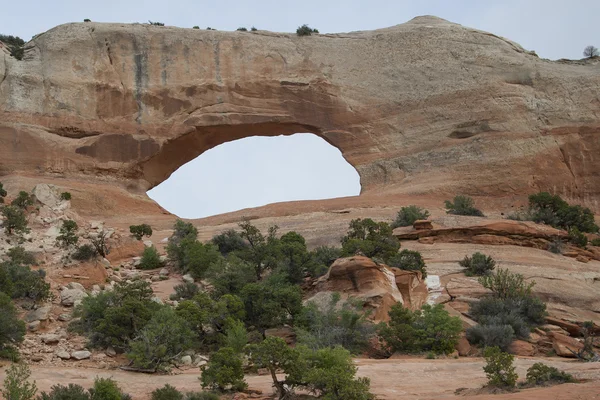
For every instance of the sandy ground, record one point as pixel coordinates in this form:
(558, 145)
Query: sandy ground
(390, 379)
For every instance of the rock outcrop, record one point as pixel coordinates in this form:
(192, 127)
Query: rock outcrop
(422, 107)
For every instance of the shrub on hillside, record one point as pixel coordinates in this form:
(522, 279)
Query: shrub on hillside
(166, 392)
(15, 45)
(84, 252)
(155, 23)
(499, 368)
(229, 241)
(372, 239)
(150, 258)
(18, 255)
(3, 192)
(65, 196)
(242, 29)
(577, 238)
(409, 260)
(408, 215)
(107, 389)
(12, 330)
(139, 231)
(595, 242)
(185, 291)
(500, 336)
(478, 264)
(462, 205)
(542, 374)
(323, 257)
(23, 200)
(67, 235)
(429, 329)
(19, 282)
(305, 30)
(230, 275)
(552, 210)
(556, 246)
(15, 220)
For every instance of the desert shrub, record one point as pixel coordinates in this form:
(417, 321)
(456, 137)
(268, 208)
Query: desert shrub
(167, 392)
(373, 239)
(236, 336)
(182, 232)
(499, 368)
(323, 257)
(507, 285)
(229, 241)
(408, 215)
(595, 242)
(161, 341)
(17, 385)
(409, 260)
(12, 330)
(198, 257)
(139, 231)
(15, 45)
(478, 264)
(185, 291)
(552, 210)
(577, 238)
(100, 243)
(65, 196)
(150, 258)
(521, 313)
(18, 255)
(3, 192)
(20, 282)
(195, 27)
(107, 389)
(23, 200)
(242, 29)
(294, 260)
(230, 275)
(253, 29)
(224, 371)
(156, 23)
(15, 220)
(115, 317)
(201, 396)
(462, 205)
(587, 352)
(84, 252)
(68, 234)
(87, 20)
(334, 325)
(305, 30)
(500, 336)
(429, 329)
(556, 246)
(542, 374)
(71, 392)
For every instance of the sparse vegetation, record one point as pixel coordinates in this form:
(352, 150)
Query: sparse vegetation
(242, 29)
(478, 264)
(12, 330)
(591, 52)
(499, 368)
(500, 336)
(84, 252)
(17, 385)
(67, 237)
(15, 220)
(65, 195)
(15, 45)
(408, 215)
(155, 23)
(99, 241)
(577, 238)
(150, 258)
(462, 205)
(371, 239)
(23, 200)
(587, 352)
(305, 30)
(166, 392)
(253, 29)
(409, 260)
(556, 246)
(195, 27)
(139, 231)
(542, 374)
(87, 20)
(595, 242)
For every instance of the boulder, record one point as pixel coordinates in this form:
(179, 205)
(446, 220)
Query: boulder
(33, 326)
(63, 355)
(164, 272)
(463, 347)
(148, 243)
(46, 194)
(81, 355)
(64, 317)
(69, 297)
(50, 338)
(521, 348)
(564, 345)
(110, 351)
(41, 314)
(187, 278)
(75, 285)
(186, 360)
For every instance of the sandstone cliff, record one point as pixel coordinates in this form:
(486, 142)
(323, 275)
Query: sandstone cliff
(419, 108)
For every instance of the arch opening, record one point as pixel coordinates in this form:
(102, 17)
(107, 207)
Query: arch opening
(255, 171)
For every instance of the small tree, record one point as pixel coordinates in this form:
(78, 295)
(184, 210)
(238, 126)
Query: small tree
(16, 384)
(99, 243)
(150, 258)
(107, 389)
(2, 193)
(408, 215)
(139, 231)
(68, 234)
(253, 29)
(591, 52)
(229, 241)
(87, 20)
(23, 200)
(462, 205)
(224, 371)
(195, 27)
(499, 368)
(409, 260)
(14, 220)
(478, 265)
(84, 252)
(373, 239)
(12, 330)
(65, 196)
(236, 336)
(155, 23)
(275, 355)
(305, 30)
(242, 29)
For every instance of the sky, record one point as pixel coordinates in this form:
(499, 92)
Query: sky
(240, 174)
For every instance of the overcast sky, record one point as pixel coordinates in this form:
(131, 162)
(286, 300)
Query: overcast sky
(257, 171)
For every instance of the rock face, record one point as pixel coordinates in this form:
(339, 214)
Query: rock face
(379, 285)
(129, 104)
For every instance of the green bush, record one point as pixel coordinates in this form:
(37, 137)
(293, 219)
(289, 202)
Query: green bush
(429, 329)
(65, 196)
(253, 29)
(156, 23)
(462, 205)
(595, 242)
(334, 325)
(556, 246)
(23, 200)
(3, 192)
(275, 355)
(262, 252)
(409, 260)
(19, 281)
(71, 392)
(15, 220)
(478, 265)
(84, 252)
(230, 275)
(408, 215)
(542, 374)
(224, 371)
(195, 27)
(183, 233)
(577, 238)
(15, 45)
(242, 29)
(18, 255)
(500, 336)
(150, 259)
(373, 239)
(229, 241)
(17, 385)
(139, 231)
(305, 30)
(12, 330)
(167, 392)
(68, 234)
(236, 336)
(201, 396)
(198, 257)
(185, 291)
(323, 257)
(507, 285)
(554, 211)
(107, 389)
(162, 340)
(87, 20)
(499, 368)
